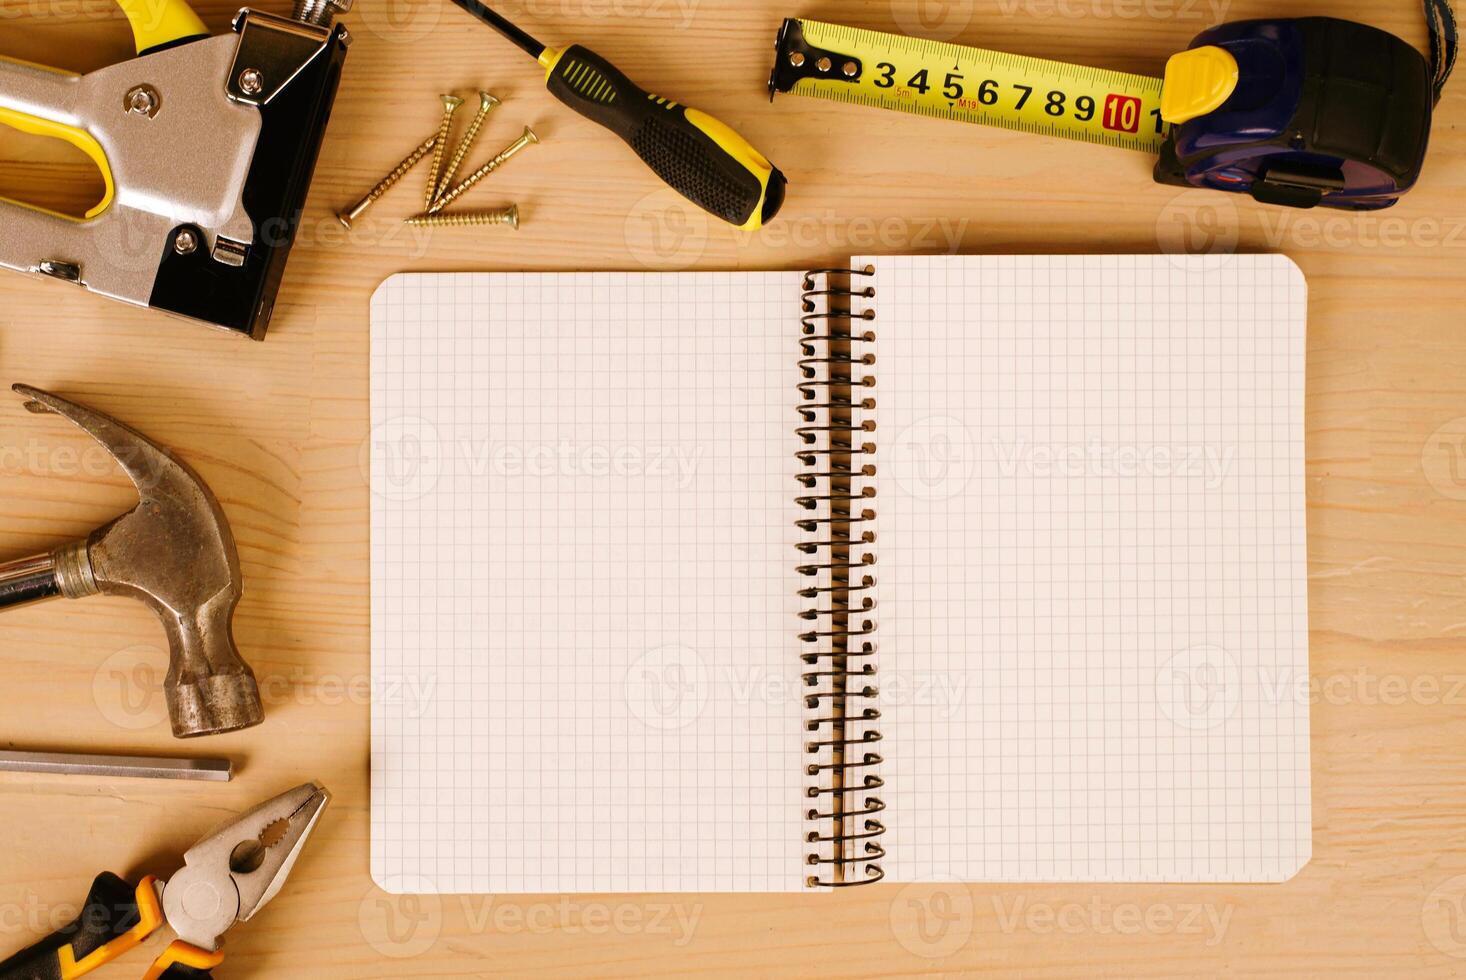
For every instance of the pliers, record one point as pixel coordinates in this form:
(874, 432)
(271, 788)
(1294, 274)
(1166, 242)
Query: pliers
(226, 878)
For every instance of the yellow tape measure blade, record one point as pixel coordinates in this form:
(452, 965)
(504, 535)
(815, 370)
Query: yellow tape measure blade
(973, 85)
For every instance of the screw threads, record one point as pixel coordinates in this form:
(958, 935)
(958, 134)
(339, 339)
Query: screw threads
(486, 103)
(445, 129)
(446, 199)
(349, 216)
(458, 219)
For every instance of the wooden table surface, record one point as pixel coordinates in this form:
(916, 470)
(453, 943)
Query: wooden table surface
(278, 430)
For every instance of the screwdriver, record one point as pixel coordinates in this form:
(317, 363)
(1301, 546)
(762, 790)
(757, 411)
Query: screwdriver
(700, 157)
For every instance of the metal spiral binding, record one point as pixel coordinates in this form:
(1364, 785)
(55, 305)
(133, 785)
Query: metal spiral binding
(837, 451)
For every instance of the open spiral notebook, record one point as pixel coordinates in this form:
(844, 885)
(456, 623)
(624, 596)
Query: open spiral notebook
(973, 568)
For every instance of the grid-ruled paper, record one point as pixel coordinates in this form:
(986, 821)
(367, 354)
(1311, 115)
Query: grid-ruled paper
(1093, 606)
(585, 647)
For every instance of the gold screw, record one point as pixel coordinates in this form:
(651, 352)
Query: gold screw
(458, 219)
(482, 172)
(486, 103)
(349, 216)
(445, 129)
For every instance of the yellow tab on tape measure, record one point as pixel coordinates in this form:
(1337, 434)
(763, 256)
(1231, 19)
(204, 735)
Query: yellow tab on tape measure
(950, 81)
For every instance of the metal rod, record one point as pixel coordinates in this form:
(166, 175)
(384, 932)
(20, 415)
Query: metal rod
(498, 23)
(138, 767)
(28, 580)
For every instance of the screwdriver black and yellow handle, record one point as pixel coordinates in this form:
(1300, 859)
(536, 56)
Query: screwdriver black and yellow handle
(116, 918)
(700, 157)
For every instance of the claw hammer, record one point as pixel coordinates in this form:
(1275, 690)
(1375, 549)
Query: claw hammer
(174, 552)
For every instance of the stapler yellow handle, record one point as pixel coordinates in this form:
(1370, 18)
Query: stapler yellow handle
(156, 24)
(183, 135)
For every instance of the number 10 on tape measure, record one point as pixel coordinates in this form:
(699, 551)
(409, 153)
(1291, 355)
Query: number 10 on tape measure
(949, 81)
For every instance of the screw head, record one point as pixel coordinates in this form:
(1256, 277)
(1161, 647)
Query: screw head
(511, 216)
(451, 102)
(529, 136)
(186, 242)
(141, 101)
(251, 81)
(487, 101)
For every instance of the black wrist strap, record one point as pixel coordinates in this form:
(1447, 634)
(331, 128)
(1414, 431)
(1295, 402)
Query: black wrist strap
(1444, 40)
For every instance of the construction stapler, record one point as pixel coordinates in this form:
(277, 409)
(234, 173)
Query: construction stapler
(206, 147)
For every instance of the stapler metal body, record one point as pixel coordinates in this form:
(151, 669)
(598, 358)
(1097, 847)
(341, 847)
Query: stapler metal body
(206, 146)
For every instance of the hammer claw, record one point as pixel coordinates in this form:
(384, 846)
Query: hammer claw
(142, 460)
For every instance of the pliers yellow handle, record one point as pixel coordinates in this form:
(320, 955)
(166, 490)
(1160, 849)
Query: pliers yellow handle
(115, 919)
(226, 877)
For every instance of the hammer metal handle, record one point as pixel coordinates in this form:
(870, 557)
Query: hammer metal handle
(67, 571)
(28, 580)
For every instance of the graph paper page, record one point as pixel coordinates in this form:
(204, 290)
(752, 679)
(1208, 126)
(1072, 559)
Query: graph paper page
(584, 634)
(1093, 629)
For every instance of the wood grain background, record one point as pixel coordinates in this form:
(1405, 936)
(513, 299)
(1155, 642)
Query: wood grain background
(278, 429)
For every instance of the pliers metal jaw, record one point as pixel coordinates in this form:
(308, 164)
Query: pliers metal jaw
(227, 877)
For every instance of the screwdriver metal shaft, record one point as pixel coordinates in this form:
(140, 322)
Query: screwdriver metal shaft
(136, 767)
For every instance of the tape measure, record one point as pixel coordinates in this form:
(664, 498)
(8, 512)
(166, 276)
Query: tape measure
(974, 85)
(1303, 112)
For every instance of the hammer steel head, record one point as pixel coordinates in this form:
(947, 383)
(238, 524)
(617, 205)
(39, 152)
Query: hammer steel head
(174, 552)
